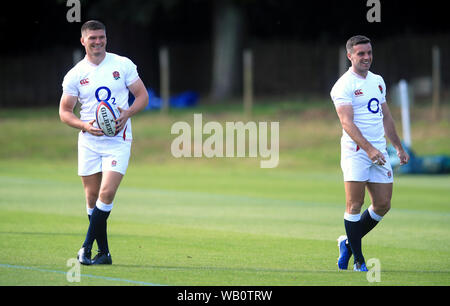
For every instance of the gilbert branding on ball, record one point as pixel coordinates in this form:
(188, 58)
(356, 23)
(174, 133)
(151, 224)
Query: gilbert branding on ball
(106, 115)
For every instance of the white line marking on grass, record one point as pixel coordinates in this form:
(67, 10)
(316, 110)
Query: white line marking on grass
(82, 275)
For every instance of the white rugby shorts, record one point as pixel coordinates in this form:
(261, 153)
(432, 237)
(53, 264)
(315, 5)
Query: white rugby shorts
(357, 166)
(98, 154)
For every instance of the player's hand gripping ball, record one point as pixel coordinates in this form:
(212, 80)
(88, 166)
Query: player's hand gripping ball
(106, 115)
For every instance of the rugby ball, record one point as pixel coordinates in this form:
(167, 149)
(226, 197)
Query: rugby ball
(106, 115)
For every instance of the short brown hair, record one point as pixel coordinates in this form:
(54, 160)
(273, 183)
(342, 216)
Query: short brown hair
(92, 25)
(356, 40)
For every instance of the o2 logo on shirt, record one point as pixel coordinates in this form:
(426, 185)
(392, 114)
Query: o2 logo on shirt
(104, 94)
(374, 105)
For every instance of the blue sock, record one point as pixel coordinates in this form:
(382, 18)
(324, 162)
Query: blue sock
(97, 230)
(90, 235)
(354, 233)
(101, 231)
(101, 236)
(368, 221)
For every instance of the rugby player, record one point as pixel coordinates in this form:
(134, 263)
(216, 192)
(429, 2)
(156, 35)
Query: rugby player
(102, 160)
(359, 97)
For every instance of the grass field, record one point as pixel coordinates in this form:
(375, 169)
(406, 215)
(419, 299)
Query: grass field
(222, 221)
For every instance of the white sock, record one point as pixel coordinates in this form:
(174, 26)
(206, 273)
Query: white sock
(373, 215)
(352, 218)
(103, 206)
(89, 210)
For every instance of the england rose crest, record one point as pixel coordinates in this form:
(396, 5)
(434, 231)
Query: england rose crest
(116, 75)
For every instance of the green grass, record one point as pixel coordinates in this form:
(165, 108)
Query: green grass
(212, 221)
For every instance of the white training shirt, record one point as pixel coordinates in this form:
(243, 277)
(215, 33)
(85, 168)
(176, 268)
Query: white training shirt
(107, 81)
(366, 96)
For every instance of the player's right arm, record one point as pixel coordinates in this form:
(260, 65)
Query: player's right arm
(66, 106)
(345, 113)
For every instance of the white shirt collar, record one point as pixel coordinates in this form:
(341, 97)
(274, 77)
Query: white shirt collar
(357, 75)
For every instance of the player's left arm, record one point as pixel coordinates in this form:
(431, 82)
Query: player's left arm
(391, 133)
(140, 102)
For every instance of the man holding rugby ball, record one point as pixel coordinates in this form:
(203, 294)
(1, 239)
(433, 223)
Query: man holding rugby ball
(102, 160)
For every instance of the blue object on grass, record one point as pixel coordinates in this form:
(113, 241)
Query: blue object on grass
(429, 164)
(182, 100)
